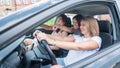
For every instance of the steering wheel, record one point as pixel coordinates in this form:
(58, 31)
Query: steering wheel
(34, 57)
(47, 48)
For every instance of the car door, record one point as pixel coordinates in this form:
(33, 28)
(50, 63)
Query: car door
(108, 57)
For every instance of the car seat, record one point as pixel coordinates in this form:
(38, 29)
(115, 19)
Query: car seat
(105, 33)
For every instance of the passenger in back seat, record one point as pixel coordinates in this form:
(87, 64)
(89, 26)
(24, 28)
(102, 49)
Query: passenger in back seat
(76, 21)
(75, 29)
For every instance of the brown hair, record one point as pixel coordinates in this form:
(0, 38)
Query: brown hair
(78, 18)
(93, 25)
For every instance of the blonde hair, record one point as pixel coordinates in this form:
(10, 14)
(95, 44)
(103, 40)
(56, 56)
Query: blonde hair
(93, 25)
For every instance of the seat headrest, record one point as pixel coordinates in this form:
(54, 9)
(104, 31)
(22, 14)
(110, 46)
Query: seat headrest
(104, 26)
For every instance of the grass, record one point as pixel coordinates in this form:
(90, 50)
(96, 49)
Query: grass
(50, 22)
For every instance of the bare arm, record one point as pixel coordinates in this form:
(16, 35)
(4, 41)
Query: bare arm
(54, 47)
(69, 38)
(56, 66)
(47, 27)
(39, 34)
(87, 45)
(64, 28)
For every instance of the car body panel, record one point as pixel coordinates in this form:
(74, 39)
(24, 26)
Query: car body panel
(11, 47)
(100, 60)
(12, 32)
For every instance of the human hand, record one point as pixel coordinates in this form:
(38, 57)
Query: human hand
(55, 27)
(36, 33)
(39, 35)
(56, 66)
(28, 41)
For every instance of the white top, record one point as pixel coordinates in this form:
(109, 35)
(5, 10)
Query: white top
(76, 55)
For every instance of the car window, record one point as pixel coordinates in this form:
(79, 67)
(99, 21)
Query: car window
(51, 21)
(103, 17)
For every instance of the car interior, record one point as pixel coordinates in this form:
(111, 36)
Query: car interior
(42, 55)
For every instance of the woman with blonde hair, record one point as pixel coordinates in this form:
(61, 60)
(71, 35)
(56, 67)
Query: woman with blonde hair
(79, 46)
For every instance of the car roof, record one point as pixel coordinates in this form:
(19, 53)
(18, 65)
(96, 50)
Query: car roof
(89, 10)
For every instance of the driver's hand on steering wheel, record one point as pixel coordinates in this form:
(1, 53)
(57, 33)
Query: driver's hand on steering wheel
(39, 35)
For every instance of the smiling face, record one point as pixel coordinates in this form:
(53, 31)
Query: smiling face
(84, 28)
(75, 24)
(89, 27)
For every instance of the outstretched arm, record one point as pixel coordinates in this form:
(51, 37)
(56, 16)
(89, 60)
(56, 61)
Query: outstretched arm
(47, 27)
(69, 38)
(86, 45)
(64, 28)
(40, 34)
(70, 45)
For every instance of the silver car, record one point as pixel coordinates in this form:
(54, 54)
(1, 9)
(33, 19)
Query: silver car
(19, 25)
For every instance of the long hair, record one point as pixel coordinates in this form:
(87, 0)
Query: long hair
(78, 18)
(66, 20)
(93, 25)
